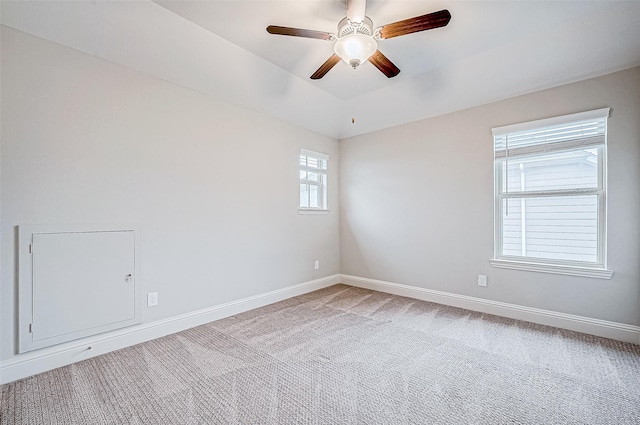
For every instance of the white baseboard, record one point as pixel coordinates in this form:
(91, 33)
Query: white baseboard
(603, 328)
(49, 358)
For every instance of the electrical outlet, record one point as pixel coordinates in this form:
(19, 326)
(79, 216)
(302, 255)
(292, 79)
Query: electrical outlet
(152, 299)
(316, 265)
(482, 280)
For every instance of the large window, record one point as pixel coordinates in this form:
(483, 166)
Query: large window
(550, 195)
(313, 181)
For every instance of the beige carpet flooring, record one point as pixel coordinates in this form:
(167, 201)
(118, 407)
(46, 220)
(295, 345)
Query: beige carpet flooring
(344, 355)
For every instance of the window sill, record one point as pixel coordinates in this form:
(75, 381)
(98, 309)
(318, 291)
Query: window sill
(553, 268)
(310, 211)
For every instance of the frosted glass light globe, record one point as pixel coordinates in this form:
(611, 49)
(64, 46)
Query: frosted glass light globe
(355, 49)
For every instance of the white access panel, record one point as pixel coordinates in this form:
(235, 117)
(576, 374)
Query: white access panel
(75, 284)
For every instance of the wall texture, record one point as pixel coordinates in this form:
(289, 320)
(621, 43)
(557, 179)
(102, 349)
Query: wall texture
(213, 186)
(417, 203)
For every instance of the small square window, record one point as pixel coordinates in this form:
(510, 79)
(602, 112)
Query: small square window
(313, 180)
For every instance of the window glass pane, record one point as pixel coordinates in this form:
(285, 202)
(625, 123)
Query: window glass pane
(512, 229)
(559, 227)
(303, 174)
(314, 177)
(553, 171)
(314, 198)
(303, 160)
(304, 195)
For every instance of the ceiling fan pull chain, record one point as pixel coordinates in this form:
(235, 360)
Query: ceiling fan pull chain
(353, 93)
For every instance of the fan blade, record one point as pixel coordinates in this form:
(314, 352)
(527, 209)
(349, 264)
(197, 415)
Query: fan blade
(326, 67)
(355, 10)
(381, 62)
(419, 23)
(297, 32)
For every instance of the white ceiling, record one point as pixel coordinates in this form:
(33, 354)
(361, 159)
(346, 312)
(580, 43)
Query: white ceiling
(490, 50)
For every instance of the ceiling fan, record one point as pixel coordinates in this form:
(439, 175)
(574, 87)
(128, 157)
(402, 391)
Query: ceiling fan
(356, 40)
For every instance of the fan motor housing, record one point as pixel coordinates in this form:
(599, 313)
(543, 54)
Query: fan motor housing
(346, 27)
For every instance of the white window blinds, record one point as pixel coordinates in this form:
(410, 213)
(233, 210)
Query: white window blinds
(558, 133)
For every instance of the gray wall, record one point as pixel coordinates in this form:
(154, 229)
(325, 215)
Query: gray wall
(417, 203)
(214, 187)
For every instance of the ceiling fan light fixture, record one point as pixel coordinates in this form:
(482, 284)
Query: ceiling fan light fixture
(355, 49)
(356, 40)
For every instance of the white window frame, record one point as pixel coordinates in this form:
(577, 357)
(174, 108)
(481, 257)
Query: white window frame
(322, 186)
(596, 269)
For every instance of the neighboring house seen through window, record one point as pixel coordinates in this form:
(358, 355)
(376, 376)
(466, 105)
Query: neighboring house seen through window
(550, 195)
(313, 181)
